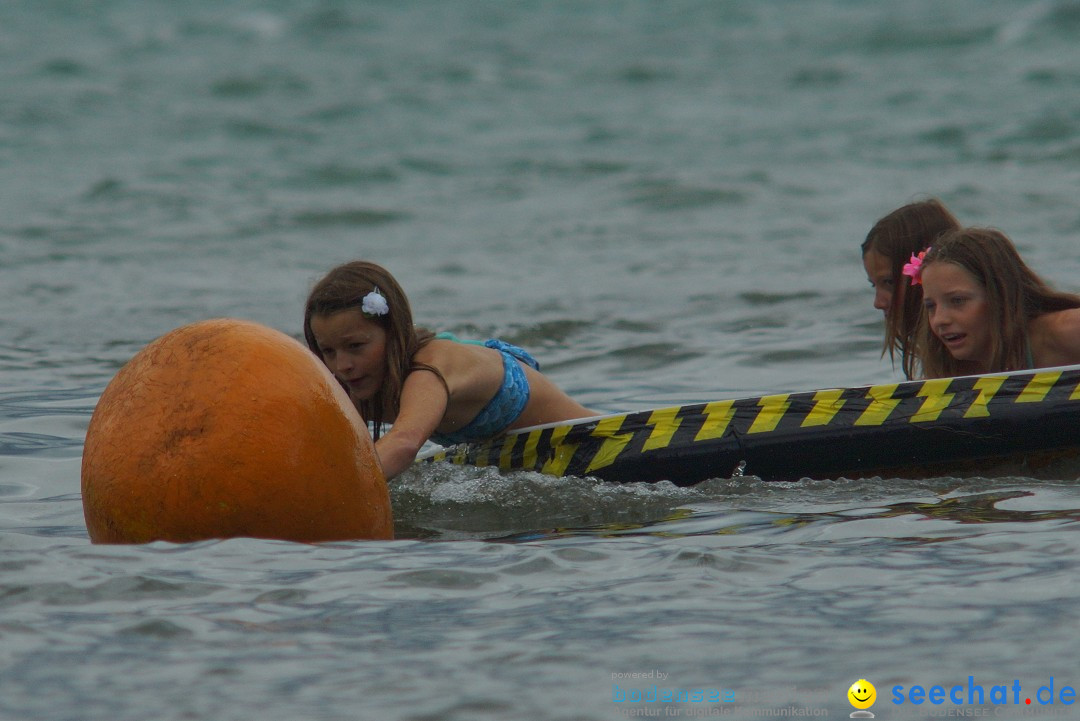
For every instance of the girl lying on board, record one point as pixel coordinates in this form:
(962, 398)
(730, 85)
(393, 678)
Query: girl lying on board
(358, 321)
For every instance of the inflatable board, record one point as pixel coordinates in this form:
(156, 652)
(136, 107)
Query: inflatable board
(917, 429)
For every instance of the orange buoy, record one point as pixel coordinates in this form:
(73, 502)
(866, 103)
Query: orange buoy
(228, 428)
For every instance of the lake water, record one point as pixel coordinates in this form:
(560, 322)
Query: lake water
(664, 203)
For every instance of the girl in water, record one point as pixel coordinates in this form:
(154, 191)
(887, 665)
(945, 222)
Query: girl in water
(358, 321)
(986, 311)
(902, 233)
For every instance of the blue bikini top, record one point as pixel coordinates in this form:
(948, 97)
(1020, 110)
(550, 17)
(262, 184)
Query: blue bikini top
(505, 406)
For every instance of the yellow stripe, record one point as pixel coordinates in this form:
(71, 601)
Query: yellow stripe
(482, 451)
(772, 410)
(613, 443)
(563, 452)
(988, 388)
(881, 406)
(1076, 393)
(718, 415)
(506, 461)
(664, 422)
(827, 404)
(936, 401)
(1038, 387)
(528, 457)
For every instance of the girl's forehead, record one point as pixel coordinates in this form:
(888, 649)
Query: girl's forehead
(947, 273)
(350, 321)
(877, 263)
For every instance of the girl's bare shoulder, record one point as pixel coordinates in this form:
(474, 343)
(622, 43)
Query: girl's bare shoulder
(462, 365)
(1059, 332)
(439, 352)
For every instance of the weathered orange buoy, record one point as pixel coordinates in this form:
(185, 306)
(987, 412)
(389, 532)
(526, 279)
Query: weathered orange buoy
(227, 428)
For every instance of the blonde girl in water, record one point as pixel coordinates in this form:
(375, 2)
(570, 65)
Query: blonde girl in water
(357, 320)
(986, 311)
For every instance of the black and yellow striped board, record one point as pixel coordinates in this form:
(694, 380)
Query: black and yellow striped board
(914, 429)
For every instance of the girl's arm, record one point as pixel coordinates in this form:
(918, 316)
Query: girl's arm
(423, 404)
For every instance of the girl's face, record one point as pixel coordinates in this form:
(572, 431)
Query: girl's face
(354, 349)
(879, 272)
(957, 311)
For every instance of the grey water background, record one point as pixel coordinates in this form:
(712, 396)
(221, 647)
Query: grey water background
(664, 202)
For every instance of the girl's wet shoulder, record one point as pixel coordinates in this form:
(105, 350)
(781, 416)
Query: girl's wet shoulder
(1058, 334)
(441, 351)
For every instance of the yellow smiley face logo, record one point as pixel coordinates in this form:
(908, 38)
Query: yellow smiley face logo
(862, 694)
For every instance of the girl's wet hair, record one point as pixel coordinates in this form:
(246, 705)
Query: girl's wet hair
(897, 236)
(344, 288)
(1014, 294)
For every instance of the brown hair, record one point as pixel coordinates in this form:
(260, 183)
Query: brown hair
(1014, 296)
(344, 288)
(897, 236)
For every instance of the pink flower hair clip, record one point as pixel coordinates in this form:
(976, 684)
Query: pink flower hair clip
(914, 268)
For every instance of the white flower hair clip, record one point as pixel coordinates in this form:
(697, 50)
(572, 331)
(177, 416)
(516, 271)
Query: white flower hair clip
(374, 304)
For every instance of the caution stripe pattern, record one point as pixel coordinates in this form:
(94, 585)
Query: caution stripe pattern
(588, 446)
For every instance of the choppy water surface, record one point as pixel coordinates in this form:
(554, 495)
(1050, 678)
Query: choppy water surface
(663, 202)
